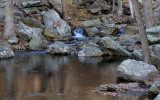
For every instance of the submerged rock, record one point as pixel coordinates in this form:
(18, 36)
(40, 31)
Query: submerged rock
(55, 27)
(136, 70)
(155, 88)
(60, 48)
(6, 52)
(91, 51)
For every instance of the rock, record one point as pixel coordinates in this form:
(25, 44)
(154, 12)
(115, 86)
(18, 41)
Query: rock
(136, 70)
(108, 29)
(90, 60)
(91, 32)
(38, 43)
(85, 44)
(158, 97)
(90, 51)
(60, 48)
(28, 4)
(27, 32)
(112, 47)
(2, 4)
(13, 40)
(55, 27)
(155, 54)
(82, 2)
(6, 52)
(91, 23)
(155, 88)
(32, 22)
(95, 8)
(127, 42)
(153, 34)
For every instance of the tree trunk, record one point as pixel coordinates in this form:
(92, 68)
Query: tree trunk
(142, 32)
(131, 9)
(148, 14)
(65, 10)
(9, 20)
(120, 10)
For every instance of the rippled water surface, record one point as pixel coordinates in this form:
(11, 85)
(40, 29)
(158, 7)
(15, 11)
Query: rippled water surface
(39, 76)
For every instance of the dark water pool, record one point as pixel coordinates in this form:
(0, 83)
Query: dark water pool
(39, 76)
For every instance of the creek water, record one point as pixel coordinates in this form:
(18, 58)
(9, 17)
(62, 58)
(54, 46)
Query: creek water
(40, 76)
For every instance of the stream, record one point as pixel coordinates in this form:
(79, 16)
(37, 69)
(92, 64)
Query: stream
(40, 76)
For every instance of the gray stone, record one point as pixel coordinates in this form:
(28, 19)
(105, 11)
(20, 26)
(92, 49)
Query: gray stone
(27, 32)
(95, 8)
(155, 54)
(2, 4)
(32, 22)
(38, 43)
(55, 27)
(153, 34)
(112, 47)
(155, 88)
(91, 31)
(158, 97)
(136, 70)
(108, 29)
(91, 51)
(60, 48)
(13, 40)
(91, 23)
(28, 4)
(6, 52)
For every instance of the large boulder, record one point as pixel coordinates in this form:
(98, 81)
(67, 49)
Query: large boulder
(91, 31)
(91, 51)
(55, 27)
(6, 52)
(112, 47)
(155, 88)
(91, 23)
(158, 97)
(153, 34)
(27, 33)
(28, 4)
(38, 43)
(60, 48)
(135, 70)
(155, 54)
(95, 8)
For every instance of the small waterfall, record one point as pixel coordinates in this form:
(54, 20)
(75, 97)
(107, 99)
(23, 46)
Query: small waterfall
(78, 34)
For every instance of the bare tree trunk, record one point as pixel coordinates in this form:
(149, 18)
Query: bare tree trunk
(131, 9)
(9, 20)
(142, 32)
(113, 8)
(148, 14)
(120, 10)
(65, 10)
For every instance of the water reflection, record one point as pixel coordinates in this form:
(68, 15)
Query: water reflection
(47, 77)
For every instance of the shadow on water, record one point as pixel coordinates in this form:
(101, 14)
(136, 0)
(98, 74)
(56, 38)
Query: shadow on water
(39, 76)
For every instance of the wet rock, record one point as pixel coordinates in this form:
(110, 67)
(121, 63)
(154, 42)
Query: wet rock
(155, 54)
(158, 97)
(38, 43)
(136, 70)
(153, 34)
(6, 52)
(91, 51)
(55, 27)
(32, 22)
(155, 88)
(28, 4)
(112, 47)
(91, 31)
(91, 23)
(27, 32)
(60, 48)
(95, 8)
(90, 60)
(13, 40)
